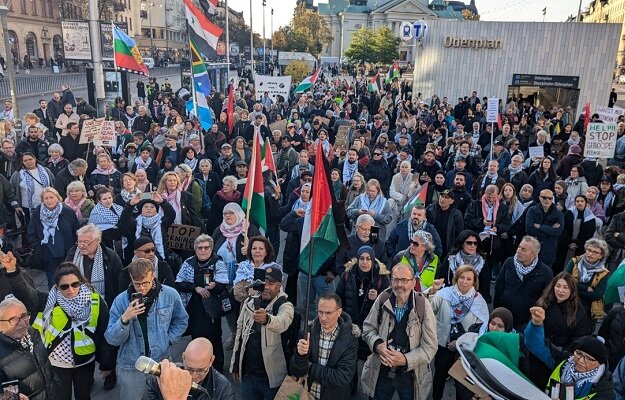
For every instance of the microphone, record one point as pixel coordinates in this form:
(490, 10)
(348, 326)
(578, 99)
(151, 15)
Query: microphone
(150, 367)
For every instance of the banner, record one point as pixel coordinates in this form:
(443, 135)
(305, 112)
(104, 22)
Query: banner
(607, 114)
(181, 237)
(76, 40)
(342, 138)
(99, 132)
(279, 126)
(275, 85)
(600, 140)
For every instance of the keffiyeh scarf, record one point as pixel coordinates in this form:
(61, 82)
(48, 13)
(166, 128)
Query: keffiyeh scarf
(522, 270)
(376, 204)
(127, 196)
(153, 225)
(105, 218)
(192, 163)
(349, 170)
(583, 380)
(460, 258)
(143, 164)
(97, 272)
(587, 270)
(29, 179)
(50, 220)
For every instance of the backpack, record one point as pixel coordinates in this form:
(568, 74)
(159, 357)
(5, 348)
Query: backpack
(385, 295)
(289, 337)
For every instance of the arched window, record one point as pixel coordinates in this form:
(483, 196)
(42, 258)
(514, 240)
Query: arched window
(31, 46)
(15, 46)
(57, 45)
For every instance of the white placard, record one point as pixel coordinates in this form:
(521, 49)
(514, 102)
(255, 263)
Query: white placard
(275, 85)
(537, 151)
(607, 114)
(492, 110)
(76, 40)
(107, 137)
(600, 140)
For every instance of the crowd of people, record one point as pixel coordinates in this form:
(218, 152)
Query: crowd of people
(446, 226)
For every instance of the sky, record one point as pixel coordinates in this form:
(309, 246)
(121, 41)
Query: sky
(490, 10)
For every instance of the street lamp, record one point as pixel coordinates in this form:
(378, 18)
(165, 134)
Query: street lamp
(264, 44)
(4, 10)
(271, 55)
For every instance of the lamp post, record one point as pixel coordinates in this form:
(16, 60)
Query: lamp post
(264, 43)
(96, 54)
(251, 40)
(151, 30)
(271, 55)
(4, 10)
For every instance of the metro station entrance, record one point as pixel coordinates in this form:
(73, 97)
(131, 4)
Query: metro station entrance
(546, 90)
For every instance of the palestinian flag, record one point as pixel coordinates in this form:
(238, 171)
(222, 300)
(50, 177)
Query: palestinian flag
(374, 83)
(308, 82)
(392, 73)
(319, 238)
(254, 195)
(127, 56)
(418, 199)
(268, 160)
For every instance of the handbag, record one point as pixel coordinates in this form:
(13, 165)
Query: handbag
(292, 388)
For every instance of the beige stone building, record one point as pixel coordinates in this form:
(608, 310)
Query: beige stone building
(608, 11)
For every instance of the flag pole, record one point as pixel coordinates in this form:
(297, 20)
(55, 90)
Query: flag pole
(115, 62)
(309, 284)
(227, 37)
(193, 91)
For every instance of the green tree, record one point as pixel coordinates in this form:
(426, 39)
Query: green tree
(385, 46)
(361, 49)
(307, 32)
(298, 70)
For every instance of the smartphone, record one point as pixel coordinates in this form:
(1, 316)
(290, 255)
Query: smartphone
(10, 390)
(374, 236)
(137, 296)
(145, 196)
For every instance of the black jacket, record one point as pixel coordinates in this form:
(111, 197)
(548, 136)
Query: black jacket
(347, 290)
(380, 170)
(33, 371)
(336, 376)
(9, 166)
(72, 149)
(62, 179)
(613, 331)
(48, 121)
(217, 385)
(518, 180)
(38, 148)
(66, 230)
(165, 276)
(351, 250)
(474, 220)
(151, 171)
(557, 330)
(455, 223)
(129, 227)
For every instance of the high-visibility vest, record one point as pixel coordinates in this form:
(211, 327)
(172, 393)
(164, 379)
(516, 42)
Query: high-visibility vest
(428, 273)
(83, 345)
(555, 378)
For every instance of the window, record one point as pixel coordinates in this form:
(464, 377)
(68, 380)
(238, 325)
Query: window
(34, 3)
(44, 10)
(23, 3)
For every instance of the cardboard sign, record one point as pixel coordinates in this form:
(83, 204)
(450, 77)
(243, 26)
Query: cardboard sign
(600, 140)
(342, 138)
(607, 114)
(107, 137)
(181, 237)
(90, 128)
(458, 372)
(537, 151)
(278, 126)
(492, 110)
(325, 121)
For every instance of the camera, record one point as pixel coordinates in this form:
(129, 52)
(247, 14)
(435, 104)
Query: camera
(374, 236)
(258, 286)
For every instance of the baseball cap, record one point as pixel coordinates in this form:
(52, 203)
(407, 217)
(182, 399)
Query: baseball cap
(273, 274)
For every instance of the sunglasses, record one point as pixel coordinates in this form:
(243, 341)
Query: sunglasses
(66, 286)
(471, 242)
(546, 198)
(377, 154)
(415, 244)
(148, 251)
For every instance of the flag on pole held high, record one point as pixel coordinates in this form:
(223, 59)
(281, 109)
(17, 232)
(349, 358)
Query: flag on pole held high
(308, 82)
(126, 53)
(201, 86)
(208, 6)
(374, 83)
(392, 73)
(204, 33)
(254, 194)
(417, 199)
(268, 160)
(230, 108)
(319, 237)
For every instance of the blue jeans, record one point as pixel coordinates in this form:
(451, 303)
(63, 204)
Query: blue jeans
(319, 287)
(385, 388)
(131, 383)
(257, 387)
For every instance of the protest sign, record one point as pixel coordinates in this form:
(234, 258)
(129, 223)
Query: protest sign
(537, 151)
(107, 137)
(181, 237)
(279, 126)
(492, 110)
(342, 138)
(607, 114)
(273, 85)
(600, 140)
(90, 128)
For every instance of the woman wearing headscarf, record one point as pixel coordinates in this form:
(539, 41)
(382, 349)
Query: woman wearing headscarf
(575, 184)
(579, 226)
(591, 276)
(597, 209)
(229, 237)
(182, 201)
(435, 188)
(105, 175)
(374, 203)
(458, 309)
(71, 320)
(143, 184)
(51, 232)
(227, 194)
(79, 203)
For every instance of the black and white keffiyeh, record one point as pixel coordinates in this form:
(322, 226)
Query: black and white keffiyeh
(522, 270)
(97, 272)
(143, 164)
(50, 221)
(105, 218)
(30, 180)
(587, 270)
(153, 225)
(460, 258)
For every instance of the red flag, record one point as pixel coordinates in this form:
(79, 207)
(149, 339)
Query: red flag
(268, 158)
(230, 109)
(587, 112)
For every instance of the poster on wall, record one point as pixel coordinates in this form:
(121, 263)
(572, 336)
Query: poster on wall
(76, 40)
(106, 38)
(275, 85)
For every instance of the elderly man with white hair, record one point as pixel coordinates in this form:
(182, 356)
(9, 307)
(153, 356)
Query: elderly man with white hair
(143, 121)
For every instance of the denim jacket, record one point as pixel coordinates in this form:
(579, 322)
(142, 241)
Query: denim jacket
(167, 321)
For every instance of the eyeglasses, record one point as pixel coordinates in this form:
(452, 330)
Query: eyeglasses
(148, 251)
(593, 251)
(584, 356)
(377, 154)
(471, 242)
(403, 281)
(197, 371)
(201, 248)
(142, 284)
(66, 286)
(307, 179)
(85, 243)
(14, 321)
(415, 244)
(365, 258)
(546, 198)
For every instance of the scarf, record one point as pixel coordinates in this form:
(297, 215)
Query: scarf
(192, 163)
(583, 380)
(349, 170)
(376, 204)
(493, 179)
(299, 203)
(405, 183)
(514, 171)
(153, 225)
(27, 343)
(75, 206)
(571, 142)
(522, 270)
(225, 163)
(337, 189)
(143, 164)
(105, 218)
(55, 160)
(174, 199)
(50, 220)
(29, 179)
(485, 208)
(77, 308)
(233, 197)
(231, 232)
(460, 303)
(110, 171)
(97, 272)
(460, 258)
(325, 145)
(587, 270)
(127, 196)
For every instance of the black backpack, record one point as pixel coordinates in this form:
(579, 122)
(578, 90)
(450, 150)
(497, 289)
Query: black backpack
(289, 337)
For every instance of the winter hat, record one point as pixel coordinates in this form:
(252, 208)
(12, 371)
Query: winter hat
(142, 241)
(144, 202)
(366, 249)
(575, 149)
(505, 315)
(594, 348)
(562, 184)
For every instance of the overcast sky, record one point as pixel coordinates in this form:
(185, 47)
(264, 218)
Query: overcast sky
(490, 10)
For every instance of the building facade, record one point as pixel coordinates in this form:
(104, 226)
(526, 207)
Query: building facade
(163, 29)
(612, 12)
(505, 59)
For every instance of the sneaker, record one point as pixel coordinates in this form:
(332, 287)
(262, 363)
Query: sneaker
(229, 343)
(110, 381)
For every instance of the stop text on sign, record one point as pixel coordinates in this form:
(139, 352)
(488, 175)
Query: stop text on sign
(600, 140)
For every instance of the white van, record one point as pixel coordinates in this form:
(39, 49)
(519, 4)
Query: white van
(149, 62)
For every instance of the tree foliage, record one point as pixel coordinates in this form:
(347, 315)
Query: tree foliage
(470, 15)
(307, 32)
(379, 46)
(298, 70)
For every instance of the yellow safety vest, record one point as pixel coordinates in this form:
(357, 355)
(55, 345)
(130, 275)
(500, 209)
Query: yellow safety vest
(555, 378)
(428, 273)
(60, 325)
